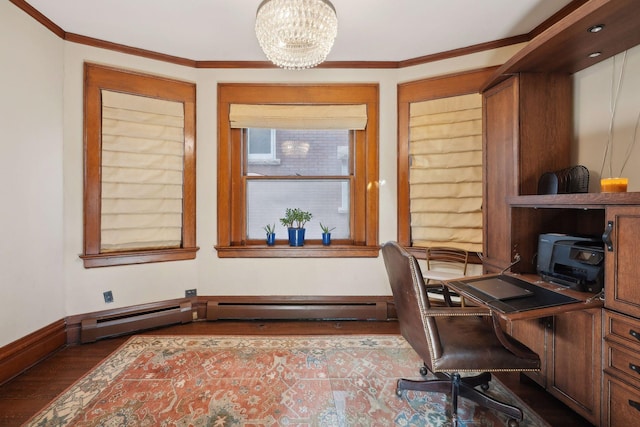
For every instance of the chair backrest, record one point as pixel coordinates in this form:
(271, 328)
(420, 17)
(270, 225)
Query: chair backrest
(445, 258)
(410, 299)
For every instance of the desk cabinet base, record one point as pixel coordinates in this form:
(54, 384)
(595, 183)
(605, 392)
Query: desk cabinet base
(575, 367)
(569, 346)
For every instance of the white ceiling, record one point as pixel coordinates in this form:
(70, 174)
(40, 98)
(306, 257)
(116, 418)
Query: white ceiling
(368, 30)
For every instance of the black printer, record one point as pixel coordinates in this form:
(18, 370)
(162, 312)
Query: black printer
(572, 261)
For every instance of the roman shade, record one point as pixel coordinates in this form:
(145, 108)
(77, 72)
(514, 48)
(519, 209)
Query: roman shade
(445, 145)
(142, 172)
(298, 116)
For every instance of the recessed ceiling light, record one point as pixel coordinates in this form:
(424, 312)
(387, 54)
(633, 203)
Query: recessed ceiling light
(596, 28)
(594, 54)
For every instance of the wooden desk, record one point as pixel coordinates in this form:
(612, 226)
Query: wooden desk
(568, 339)
(585, 300)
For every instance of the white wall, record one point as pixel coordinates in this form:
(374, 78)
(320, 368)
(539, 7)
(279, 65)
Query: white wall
(31, 162)
(592, 101)
(209, 274)
(43, 279)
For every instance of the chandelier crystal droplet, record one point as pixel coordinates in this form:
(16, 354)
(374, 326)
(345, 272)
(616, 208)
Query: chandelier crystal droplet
(296, 34)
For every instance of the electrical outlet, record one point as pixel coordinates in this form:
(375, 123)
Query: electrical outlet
(108, 296)
(190, 293)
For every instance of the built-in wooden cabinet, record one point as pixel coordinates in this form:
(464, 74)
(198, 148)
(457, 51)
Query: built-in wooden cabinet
(517, 151)
(527, 132)
(572, 344)
(621, 357)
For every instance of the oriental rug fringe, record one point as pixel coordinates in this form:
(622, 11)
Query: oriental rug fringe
(226, 381)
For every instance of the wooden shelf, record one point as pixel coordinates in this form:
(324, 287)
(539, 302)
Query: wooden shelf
(565, 46)
(575, 201)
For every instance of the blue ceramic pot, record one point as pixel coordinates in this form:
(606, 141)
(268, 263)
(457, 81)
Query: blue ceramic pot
(271, 239)
(296, 236)
(326, 239)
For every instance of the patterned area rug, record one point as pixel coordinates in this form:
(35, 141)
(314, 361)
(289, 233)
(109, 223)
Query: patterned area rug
(225, 381)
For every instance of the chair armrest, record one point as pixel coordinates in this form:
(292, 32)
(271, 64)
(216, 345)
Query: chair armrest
(506, 340)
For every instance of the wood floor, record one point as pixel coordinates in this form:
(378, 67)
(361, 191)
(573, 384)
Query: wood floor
(26, 394)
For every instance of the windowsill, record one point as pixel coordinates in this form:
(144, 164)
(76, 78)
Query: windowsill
(309, 250)
(138, 257)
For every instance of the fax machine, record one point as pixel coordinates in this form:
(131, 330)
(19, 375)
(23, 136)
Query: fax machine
(576, 262)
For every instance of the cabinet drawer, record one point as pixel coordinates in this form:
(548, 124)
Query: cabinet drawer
(622, 362)
(622, 329)
(621, 403)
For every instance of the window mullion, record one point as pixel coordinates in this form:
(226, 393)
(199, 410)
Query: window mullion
(237, 187)
(359, 187)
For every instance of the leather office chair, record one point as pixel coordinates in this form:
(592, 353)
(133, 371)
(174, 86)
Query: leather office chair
(452, 340)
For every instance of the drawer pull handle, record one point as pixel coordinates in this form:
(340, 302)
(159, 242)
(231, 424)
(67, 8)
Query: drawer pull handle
(634, 368)
(634, 334)
(635, 405)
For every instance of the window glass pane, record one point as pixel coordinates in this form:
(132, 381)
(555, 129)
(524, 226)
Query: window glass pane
(267, 201)
(305, 153)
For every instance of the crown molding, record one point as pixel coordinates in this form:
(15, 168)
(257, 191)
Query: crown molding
(103, 44)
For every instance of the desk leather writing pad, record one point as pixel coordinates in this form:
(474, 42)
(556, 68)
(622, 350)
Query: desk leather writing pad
(542, 298)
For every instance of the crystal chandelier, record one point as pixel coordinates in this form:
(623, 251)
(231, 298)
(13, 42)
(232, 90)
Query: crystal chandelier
(296, 34)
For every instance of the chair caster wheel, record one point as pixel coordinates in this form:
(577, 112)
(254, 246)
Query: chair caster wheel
(513, 423)
(424, 371)
(484, 386)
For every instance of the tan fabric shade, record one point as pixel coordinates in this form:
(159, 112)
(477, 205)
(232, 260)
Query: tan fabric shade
(446, 172)
(142, 172)
(298, 116)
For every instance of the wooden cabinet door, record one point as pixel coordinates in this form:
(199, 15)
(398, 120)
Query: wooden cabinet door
(622, 260)
(574, 355)
(500, 170)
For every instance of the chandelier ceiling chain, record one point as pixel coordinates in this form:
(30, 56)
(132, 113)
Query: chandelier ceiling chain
(296, 34)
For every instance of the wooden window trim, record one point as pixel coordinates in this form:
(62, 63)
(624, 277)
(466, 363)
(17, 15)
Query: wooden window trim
(98, 78)
(424, 90)
(231, 217)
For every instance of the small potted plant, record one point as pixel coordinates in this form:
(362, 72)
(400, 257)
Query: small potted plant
(295, 220)
(326, 234)
(271, 234)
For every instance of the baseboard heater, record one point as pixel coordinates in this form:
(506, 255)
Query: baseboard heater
(288, 309)
(126, 322)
